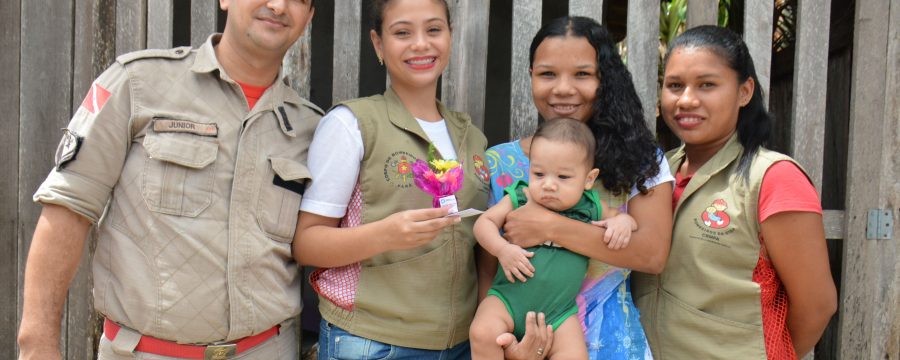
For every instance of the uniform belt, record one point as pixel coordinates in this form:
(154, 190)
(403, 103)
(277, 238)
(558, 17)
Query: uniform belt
(152, 345)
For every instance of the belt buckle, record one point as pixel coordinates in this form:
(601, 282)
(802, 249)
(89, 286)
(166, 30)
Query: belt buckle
(220, 352)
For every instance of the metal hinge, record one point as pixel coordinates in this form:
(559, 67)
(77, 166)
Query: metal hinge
(880, 224)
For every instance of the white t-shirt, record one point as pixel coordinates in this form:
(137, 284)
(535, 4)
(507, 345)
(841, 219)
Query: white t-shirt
(663, 176)
(335, 156)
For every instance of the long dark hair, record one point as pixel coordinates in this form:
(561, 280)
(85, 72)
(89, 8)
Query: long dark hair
(754, 121)
(626, 154)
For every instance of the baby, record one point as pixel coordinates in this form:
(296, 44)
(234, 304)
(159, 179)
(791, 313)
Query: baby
(561, 179)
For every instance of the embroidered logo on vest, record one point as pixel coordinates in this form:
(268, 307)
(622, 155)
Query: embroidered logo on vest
(398, 169)
(481, 171)
(715, 216)
(712, 223)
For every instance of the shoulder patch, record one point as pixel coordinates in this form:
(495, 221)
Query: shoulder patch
(68, 148)
(175, 53)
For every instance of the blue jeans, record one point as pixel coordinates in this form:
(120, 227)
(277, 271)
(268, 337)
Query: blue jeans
(337, 344)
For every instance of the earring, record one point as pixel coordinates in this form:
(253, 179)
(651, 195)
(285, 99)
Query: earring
(380, 60)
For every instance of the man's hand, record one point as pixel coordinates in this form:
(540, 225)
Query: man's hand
(53, 258)
(47, 351)
(536, 343)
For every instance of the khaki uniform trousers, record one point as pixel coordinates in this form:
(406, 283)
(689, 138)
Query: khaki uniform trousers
(282, 346)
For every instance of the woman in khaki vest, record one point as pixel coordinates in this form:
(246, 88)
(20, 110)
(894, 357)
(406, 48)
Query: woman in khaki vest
(397, 277)
(748, 274)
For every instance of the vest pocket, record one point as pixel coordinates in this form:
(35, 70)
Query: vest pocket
(279, 198)
(178, 176)
(686, 332)
(400, 290)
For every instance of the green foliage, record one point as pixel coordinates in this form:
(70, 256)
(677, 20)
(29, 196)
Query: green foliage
(785, 25)
(724, 12)
(673, 14)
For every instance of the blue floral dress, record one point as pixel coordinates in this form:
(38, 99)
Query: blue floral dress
(610, 320)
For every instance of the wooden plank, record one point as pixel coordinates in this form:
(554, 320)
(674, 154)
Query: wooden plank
(203, 20)
(83, 325)
(834, 223)
(837, 128)
(590, 8)
(82, 331)
(297, 64)
(10, 17)
(526, 21)
(869, 268)
(758, 36)
(131, 26)
(160, 15)
(810, 86)
(104, 28)
(887, 337)
(702, 12)
(83, 54)
(347, 27)
(48, 78)
(643, 54)
(463, 81)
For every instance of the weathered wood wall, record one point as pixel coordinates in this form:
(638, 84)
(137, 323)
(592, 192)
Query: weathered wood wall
(10, 245)
(86, 34)
(870, 291)
(643, 54)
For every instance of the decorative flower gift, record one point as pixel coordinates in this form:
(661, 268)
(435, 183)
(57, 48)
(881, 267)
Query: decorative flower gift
(438, 177)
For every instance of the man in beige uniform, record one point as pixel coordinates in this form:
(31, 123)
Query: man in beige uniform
(201, 193)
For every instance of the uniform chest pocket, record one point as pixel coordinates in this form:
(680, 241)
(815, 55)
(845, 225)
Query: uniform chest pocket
(279, 198)
(178, 176)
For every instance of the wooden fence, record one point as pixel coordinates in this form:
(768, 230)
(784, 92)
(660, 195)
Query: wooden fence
(52, 50)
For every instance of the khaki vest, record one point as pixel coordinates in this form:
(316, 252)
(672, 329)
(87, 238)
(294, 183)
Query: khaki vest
(705, 304)
(423, 297)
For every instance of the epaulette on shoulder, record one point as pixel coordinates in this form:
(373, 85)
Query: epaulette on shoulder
(316, 109)
(174, 53)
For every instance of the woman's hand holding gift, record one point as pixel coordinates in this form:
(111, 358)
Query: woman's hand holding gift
(413, 228)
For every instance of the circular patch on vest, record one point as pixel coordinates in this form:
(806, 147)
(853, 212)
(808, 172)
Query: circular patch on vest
(714, 216)
(481, 170)
(398, 169)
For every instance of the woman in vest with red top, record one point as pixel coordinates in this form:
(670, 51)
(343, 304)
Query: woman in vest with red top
(748, 274)
(397, 277)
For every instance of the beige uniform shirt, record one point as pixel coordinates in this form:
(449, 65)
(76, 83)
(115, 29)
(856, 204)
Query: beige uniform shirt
(200, 196)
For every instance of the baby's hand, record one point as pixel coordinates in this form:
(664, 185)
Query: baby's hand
(515, 263)
(618, 230)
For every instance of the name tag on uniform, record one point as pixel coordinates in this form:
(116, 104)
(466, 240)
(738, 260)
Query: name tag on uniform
(185, 126)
